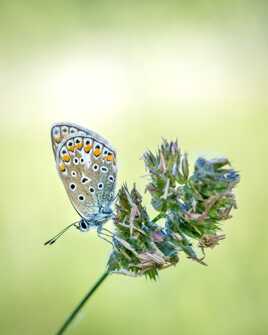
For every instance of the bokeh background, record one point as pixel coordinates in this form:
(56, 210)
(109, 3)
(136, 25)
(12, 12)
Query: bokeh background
(133, 71)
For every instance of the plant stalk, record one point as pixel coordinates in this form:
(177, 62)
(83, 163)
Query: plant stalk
(82, 302)
(158, 217)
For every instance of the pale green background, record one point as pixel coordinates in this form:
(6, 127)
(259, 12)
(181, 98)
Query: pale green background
(133, 71)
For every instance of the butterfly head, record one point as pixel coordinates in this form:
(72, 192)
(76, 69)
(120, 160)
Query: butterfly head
(96, 219)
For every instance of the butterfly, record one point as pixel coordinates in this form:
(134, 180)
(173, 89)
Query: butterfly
(86, 163)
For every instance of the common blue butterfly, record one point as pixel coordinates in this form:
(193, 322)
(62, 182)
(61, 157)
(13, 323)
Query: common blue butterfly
(86, 163)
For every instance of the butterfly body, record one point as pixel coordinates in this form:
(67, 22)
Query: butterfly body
(86, 163)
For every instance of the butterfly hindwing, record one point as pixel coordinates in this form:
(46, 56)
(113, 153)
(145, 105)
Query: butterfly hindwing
(60, 131)
(87, 166)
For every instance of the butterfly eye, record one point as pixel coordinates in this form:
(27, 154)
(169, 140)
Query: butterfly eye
(84, 225)
(91, 190)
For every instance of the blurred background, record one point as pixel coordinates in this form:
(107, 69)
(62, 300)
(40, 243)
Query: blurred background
(134, 71)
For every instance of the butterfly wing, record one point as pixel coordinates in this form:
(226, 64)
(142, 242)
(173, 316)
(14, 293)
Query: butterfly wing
(61, 130)
(87, 166)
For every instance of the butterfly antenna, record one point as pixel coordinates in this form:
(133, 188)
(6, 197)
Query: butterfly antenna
(56, 237)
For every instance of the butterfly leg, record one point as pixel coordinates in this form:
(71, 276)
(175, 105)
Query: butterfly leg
(101, 234)
(108, 231)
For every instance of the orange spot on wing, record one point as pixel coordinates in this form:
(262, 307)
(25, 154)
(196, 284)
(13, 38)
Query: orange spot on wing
(87, 148)
(66, 158)
(97, 152)
(78, 146)
(57, 138)
(109, 157)
(71, 148)
(62, 167)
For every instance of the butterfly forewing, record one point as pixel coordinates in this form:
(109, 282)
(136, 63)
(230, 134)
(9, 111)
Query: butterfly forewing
(87, 166)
